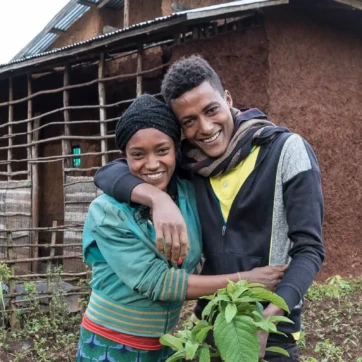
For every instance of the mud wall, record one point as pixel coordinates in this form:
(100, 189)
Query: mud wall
(89, 26)
(242, 69)
(314, 88)
(142, 10)
(92, 22)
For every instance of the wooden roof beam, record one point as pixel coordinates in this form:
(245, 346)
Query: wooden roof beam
(87, 3)
(56, 31)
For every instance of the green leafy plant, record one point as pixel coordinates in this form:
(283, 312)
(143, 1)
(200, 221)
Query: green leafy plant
(335, 287)
(4, 277)
(235, 315)
(329, 351)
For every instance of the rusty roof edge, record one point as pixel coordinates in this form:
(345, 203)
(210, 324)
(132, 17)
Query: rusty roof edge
(231, 8)
(99, 41)
(90, 44)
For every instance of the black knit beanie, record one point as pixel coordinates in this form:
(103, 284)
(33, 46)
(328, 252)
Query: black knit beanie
(146, 112)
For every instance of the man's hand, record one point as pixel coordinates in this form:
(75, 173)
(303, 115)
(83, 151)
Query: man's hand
(269, 276)
(263, 339)
(171, 232)
(270, 311)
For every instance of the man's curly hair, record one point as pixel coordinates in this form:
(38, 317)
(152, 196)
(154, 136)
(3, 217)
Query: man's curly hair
(186, 74)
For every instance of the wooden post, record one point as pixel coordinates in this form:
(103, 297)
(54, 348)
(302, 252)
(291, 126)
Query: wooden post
(52, 252)
(10, 129)
(35, 196)
(102, 110)
(66, 148)
(126, 14)
(12, 283)
(139, 70)
(29, 125)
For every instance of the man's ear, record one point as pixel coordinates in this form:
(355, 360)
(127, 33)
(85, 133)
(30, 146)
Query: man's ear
(228, 98)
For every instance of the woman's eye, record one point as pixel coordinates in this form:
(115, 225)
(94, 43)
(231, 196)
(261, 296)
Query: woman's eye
(163, 151)
(137, 155)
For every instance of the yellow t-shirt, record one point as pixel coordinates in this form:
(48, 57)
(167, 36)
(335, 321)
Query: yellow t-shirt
(226, 186)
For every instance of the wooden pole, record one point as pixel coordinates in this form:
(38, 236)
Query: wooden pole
(52, 253)
(29, 125)
(102, 109)
(35, 196)
(10, 129)
(126, 14)
(12, 283)
(139, 70)
(66, 148)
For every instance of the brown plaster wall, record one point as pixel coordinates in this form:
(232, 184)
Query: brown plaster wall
(142, 10)
(242, 69)
(88, 26)
(315, 73)
(111, 17)
(92, 23)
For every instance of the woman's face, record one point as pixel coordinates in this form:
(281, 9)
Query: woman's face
(151, 156)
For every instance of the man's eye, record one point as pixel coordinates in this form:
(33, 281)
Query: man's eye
(187, 123)
(212, 110)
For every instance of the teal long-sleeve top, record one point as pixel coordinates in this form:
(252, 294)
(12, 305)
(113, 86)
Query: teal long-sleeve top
(135, 290)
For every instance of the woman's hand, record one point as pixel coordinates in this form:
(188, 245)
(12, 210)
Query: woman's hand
(269, 276)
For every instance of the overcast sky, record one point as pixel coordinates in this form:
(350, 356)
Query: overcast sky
(21, 21)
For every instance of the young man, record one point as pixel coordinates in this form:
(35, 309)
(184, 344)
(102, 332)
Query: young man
(258, 192)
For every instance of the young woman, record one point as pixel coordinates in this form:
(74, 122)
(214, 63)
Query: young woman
(137, 294)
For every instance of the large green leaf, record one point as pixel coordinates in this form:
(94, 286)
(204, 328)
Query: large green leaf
(277, 319)
(171, 341)
(204, 355)
(200, 325)
(200, 337)
(268, 296)
(209, 309)
(191, 349)
(237, 340)
(221, 297)
(252, 285)
(177, 356)
(238, 292)
(230, 312)
(278, 350)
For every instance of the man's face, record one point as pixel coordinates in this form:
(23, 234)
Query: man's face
(205, 118)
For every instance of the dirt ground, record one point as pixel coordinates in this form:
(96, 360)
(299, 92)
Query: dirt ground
(332, 330)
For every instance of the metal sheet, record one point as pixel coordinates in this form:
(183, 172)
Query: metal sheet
(43, 44)
(75, 13)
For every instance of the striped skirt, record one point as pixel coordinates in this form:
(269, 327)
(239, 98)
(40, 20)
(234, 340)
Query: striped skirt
(94, 348)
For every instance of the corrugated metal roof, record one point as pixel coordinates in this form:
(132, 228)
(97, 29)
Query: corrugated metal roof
(42, 44)
(66, 17)
(57, 50)
(200, 13)
(71, 17)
